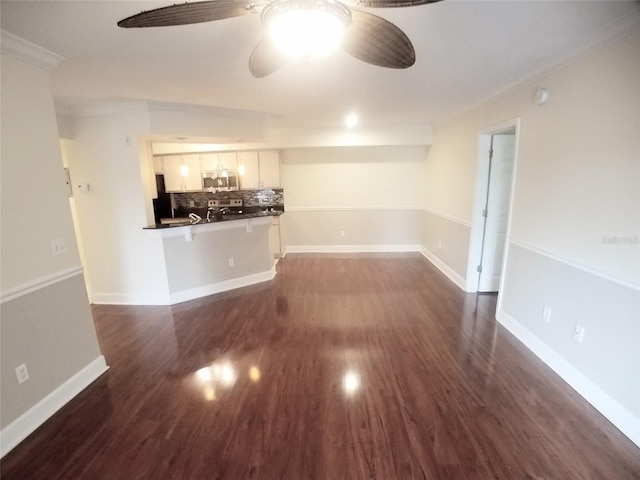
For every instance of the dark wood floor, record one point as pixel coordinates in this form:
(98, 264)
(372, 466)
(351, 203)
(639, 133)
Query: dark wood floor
(344, 367)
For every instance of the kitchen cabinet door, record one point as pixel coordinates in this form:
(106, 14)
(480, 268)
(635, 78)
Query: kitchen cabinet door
(269, 168)
(158, 165)
(251, 176)
(228, 160)
(209, 162)
(193, 181)
(173, 181)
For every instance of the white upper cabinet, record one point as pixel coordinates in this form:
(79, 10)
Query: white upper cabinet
(228, 160)
(256, 169)
(250, 172)
(174, 180)
(172, 176)
(158, 165)
(269, 168)
(193, 181)
(261, 169)
(218, 161)
(209, 161)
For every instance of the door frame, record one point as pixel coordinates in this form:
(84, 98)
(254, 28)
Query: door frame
(479, 198)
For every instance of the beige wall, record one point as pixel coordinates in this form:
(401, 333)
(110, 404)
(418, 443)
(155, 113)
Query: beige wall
(124, 265)
(202, 262)
(373, 194)
(577, 178)
(45, 320)
(577, 184)
(110, 151)
(447, 239)
(35, 207)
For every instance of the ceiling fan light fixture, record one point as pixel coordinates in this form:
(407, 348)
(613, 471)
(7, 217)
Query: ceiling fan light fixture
(306, 28)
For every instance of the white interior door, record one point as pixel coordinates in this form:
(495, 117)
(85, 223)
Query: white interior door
(497, 211)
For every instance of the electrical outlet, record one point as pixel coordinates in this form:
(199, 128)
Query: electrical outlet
(22, 373)
(231, 262)
(578, 333)
(546, 313)
(439, 243)
(342, 233)
(58, 247)
(192, 203)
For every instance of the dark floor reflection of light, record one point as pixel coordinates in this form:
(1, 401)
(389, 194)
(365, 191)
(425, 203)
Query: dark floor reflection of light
(254, 374)
(218, 375)
(351, 382)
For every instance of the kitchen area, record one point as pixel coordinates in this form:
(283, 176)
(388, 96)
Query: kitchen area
(198, 189)
(133, 256)
(216, 217)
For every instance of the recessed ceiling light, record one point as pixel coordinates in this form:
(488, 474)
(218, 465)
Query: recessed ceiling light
(351, 120)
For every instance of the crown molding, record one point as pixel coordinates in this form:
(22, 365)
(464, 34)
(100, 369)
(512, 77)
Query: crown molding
(208, 109)
(107, 107)
(28, 52)
(123, 106)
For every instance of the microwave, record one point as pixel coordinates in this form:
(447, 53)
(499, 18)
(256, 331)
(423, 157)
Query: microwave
(221, 181)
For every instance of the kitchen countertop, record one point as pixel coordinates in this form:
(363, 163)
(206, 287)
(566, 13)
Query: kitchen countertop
(186, 222)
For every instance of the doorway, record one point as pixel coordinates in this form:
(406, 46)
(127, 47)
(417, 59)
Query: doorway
(492, 206)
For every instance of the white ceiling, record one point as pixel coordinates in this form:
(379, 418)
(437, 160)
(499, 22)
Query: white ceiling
(467, 52)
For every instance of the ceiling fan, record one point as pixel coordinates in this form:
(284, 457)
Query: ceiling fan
(299, 25)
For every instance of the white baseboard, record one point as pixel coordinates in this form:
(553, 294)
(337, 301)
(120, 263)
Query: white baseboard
(184, 295)
(351, 248)
(27, 423)
(618, 415)
(444, 268)
(130, 299)
(223, 286)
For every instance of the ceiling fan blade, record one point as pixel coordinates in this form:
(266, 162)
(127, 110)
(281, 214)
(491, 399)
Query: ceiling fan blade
(377, 41)
(187, 13)
(388, 3)
(266, 59)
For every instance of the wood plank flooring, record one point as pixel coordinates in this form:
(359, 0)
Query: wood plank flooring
(369, 366)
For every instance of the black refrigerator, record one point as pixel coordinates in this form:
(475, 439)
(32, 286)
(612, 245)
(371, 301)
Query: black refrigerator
(162, 204)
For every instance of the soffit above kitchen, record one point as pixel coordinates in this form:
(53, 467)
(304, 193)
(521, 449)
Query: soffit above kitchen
(466, 52)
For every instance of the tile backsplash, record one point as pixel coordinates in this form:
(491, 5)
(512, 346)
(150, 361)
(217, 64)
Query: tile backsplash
(250, 198)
